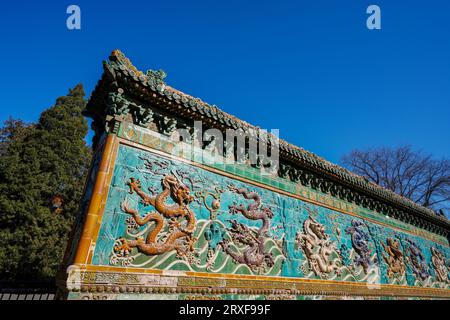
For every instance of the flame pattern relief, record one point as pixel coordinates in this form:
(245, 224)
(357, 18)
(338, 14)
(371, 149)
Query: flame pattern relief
(170, 215)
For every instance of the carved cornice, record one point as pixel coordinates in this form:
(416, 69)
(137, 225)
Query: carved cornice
(144, 99)
(96, 282)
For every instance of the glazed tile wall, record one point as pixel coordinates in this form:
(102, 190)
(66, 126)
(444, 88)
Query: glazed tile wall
(241, 228)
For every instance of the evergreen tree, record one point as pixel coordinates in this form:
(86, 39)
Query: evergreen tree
(42, 173)
(13, 130)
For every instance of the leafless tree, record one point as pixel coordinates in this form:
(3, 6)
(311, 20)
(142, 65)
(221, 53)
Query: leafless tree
(415, 175)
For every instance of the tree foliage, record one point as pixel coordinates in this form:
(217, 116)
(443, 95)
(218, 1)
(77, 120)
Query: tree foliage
(415, 175)
(39, 162)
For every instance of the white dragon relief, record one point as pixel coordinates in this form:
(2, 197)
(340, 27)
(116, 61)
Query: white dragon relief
(317, 247)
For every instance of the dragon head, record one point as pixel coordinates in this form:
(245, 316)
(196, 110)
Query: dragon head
(437, 254)
(318, 229)
(179, 192)
(394, 244)
(357, 223)
(268, 212)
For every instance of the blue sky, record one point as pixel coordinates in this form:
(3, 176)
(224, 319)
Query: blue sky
(310, 68)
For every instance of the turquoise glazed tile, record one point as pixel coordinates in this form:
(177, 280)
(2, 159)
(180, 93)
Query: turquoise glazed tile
(240, 228)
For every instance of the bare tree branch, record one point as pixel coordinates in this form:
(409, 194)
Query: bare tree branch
(412, 174)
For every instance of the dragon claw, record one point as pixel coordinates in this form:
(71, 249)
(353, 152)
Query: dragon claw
(123, 247)
(134, 185)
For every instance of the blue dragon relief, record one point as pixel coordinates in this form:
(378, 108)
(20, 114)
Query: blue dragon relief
(360, 240)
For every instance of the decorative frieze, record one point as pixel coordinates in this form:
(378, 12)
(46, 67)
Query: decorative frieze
(207, 286)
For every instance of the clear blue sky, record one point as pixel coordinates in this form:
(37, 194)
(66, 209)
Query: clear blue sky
(310, 68)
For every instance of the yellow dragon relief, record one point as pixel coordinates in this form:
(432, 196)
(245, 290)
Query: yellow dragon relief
(394, 259)
(180, 236)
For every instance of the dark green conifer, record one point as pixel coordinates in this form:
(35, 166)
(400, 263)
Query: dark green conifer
(42, 172)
